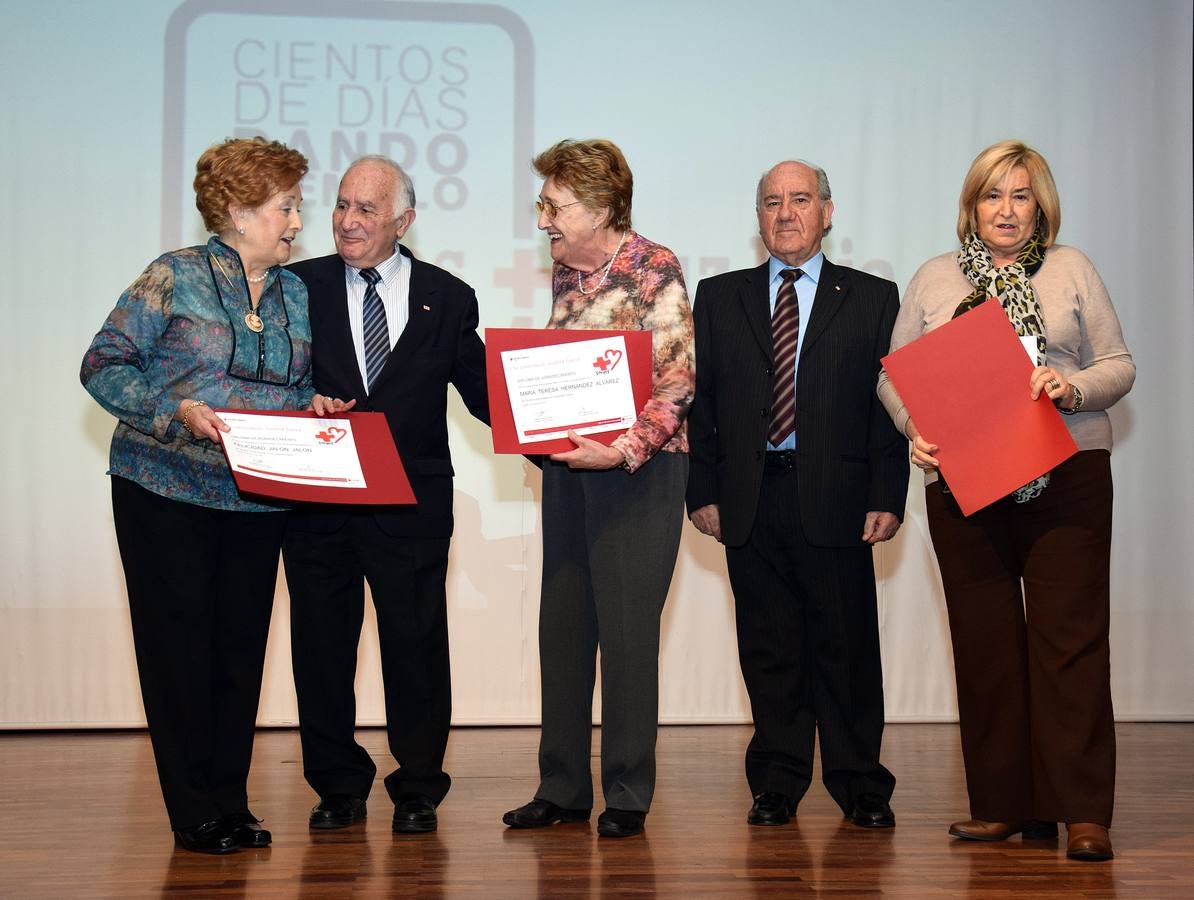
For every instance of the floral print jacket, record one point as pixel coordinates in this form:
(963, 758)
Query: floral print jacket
(644, 291)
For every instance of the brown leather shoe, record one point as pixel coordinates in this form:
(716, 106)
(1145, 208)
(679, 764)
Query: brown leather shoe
(978, 830)
(1088, 841)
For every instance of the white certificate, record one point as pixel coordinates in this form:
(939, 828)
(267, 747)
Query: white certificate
(581, 386)
(293, 449)
(1029, 344)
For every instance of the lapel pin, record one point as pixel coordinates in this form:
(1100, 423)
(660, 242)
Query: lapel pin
(426, 307)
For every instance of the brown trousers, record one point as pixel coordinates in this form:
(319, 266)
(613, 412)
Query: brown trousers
(1033, 663)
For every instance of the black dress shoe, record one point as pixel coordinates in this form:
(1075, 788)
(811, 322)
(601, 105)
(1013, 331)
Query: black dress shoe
(541, 813)
(338, 811)
(244, 827)
(620, 823)
(414, 814)
(872, 811)
(210, 837)
(770, 808)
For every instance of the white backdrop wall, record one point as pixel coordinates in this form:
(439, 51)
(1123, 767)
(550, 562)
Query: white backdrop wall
(106, 107)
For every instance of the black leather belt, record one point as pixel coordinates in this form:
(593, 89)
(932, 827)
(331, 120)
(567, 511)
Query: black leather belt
(780, 460)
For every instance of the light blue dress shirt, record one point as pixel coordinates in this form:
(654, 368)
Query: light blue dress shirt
(806, 291)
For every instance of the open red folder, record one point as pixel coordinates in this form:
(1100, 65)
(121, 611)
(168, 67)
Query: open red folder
(385, 478)
(499, 340)
(966, 386)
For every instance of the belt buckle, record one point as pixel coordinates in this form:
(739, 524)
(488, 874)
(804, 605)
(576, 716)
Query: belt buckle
(784, 460)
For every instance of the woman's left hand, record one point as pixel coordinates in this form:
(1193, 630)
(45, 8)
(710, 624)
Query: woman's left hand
(589, 454)
(1055, 385)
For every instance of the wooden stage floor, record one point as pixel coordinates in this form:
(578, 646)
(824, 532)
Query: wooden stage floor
(82, 817)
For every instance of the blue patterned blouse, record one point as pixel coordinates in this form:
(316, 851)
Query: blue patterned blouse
(179, 331)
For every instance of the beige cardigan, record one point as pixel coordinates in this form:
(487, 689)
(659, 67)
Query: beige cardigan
(1082, 333)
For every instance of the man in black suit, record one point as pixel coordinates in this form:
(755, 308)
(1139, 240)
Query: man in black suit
(798, 470)
(389, 332)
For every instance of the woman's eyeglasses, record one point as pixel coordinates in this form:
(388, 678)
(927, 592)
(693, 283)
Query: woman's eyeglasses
(546, 206)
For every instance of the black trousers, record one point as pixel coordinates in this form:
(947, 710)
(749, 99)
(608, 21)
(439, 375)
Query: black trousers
(1027, 586)
(609, 547)
(201, 588)
(808, 644)
(326, 575)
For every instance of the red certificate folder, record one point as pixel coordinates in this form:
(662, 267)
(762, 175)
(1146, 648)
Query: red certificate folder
(499, 340)
(966, 387)
(385, 478)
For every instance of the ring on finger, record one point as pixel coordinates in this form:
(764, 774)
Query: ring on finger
(1054, 384)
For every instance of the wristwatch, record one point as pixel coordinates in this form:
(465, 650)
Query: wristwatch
(1078, 401)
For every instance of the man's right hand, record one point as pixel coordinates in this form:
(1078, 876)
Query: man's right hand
(707, 519)
(330, 406)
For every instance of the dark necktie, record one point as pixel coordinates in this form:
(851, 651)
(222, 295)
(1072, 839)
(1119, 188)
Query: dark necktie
(785, 329)
(376, 331)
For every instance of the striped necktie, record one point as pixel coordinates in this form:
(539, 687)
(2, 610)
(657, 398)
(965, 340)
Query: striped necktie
(376, 331)
(785, 330)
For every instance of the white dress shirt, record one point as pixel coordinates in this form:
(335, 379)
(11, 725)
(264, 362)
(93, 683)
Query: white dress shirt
(394, 290)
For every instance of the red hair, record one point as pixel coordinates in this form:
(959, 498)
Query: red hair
(243, 172)
(596, 172)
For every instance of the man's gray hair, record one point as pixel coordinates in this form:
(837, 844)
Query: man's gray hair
(822, 181)
(404, 197)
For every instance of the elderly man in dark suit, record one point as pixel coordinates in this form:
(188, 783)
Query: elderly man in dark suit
(798, 471)
(389, 332)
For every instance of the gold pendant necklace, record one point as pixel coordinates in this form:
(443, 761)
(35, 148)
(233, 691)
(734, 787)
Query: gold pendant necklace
(252, 320)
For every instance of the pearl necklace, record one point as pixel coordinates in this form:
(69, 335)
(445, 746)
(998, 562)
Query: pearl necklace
(579, 279)
(260, 278)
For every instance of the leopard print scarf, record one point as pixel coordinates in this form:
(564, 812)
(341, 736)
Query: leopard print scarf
(1012, 287)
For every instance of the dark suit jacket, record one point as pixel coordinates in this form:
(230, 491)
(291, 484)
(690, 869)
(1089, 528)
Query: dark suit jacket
(850, 459)
(438, 346)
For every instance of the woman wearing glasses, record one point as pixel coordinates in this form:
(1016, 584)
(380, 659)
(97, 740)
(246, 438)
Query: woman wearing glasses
(611, 514)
